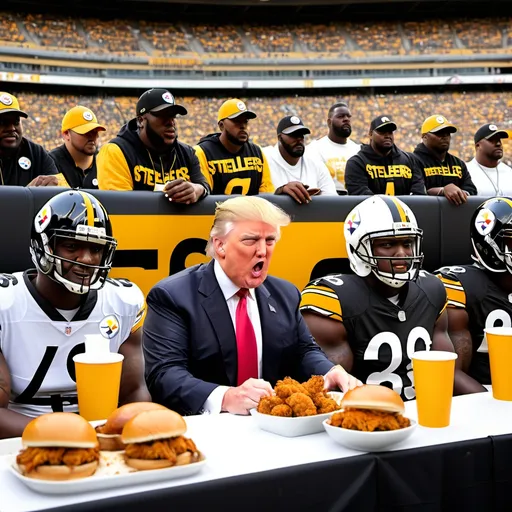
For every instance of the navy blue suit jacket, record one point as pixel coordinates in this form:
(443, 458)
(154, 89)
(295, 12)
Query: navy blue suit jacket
(190, 345)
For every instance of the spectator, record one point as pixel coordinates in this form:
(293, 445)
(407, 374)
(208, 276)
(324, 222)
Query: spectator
(229, 161)
(382, 168)
(444, 173)
(335, 148)
(22, 162)
(490, 176)
(76, 158)
(290, 166)
(146, 153)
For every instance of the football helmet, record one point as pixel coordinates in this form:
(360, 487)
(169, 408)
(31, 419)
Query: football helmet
(491, 234)
(76, 215)
(378, 217)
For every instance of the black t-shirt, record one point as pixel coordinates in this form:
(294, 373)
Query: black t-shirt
(75, 176)
(381, 335)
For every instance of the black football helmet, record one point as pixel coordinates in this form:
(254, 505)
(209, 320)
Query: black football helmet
(76, 215)
(491, 234)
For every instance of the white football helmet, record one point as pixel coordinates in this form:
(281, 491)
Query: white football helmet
(377, 217)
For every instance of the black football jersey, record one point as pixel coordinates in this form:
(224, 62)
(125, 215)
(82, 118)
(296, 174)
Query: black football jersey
(487, 305)
(383, 336)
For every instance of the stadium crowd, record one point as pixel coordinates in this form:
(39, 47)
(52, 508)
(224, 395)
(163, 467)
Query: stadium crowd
(342, 38)
(467, 110)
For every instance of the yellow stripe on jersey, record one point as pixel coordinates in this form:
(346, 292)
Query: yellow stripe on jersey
(322, 300)
(401, 211)
(442, 310)
(455, 292)
(89, 209)
(139, 319)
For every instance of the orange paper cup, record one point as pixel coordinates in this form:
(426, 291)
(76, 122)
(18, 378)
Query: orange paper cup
(434, 372)
(97, 384)
(499, 342)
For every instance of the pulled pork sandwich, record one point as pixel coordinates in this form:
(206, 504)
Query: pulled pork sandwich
(371, 408)
(58, 446)
(109, 434)
(154, 440)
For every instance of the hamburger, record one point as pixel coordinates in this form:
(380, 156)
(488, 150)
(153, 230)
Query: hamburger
(154, 440)
(109, 434)
(371, 408)
(58, 446)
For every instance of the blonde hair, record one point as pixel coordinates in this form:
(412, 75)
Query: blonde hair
(244, 208)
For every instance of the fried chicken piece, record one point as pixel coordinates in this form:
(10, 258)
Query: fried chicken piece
(284, 391)
(314, 385)
(301, 404)
(181, 445)
(33, 457)
(282, 410)
(324, 403)
(155, 450)
(267, 403)
(369, 421)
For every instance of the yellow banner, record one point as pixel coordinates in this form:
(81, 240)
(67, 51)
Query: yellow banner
(169, 243)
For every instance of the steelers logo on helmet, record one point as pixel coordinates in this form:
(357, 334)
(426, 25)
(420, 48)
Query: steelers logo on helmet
(485, 221)
(6, 99)
(109, 327)
(493, 127)
(43, 218)
(352, 223)
(24, 163)
(168, 97)
(440, 119)
(87, 115)
(294, 120)
(241, 106)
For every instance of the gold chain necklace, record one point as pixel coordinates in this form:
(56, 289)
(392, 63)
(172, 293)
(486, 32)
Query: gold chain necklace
(161, 163)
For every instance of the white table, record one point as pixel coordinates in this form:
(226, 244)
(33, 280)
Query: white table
(234, 446)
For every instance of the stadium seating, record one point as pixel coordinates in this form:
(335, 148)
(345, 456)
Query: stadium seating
(467, 110)
(354, 39)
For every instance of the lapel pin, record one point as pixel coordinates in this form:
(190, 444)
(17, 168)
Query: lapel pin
(272, 308)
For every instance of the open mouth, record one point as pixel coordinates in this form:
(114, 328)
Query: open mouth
(257, 269)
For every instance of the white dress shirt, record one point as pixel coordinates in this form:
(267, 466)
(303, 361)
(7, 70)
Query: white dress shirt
(213, 403)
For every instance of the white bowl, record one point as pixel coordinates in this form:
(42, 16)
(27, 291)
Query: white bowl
(368, 441)
(294, 427)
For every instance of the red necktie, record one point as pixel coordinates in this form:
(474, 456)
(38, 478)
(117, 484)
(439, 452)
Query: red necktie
(245, 341)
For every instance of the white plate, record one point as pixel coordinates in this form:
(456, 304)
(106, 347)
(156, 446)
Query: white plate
(294, 427)
(96, 483)
(368, 441)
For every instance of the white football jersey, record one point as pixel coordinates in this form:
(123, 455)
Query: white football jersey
(38, 343)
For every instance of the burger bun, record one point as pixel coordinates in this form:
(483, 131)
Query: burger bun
(61, 472)
(373, 397)
(153, 425)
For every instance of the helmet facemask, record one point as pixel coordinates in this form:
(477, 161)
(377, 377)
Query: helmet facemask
(501, 244)
(364, 251)
(51, 264)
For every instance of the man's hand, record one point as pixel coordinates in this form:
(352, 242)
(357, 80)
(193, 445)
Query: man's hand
(337, 377)
(245, 397)
(44, 181)
(297, 191)
(454, 194)
(180, 191)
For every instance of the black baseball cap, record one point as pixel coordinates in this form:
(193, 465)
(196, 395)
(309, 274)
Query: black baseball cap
(488, 131)
(381, 122)
(156, 100)
(291, 124)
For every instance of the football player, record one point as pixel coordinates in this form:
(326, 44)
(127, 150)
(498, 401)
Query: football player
(372, 321)
(480, 295)
(46, 312)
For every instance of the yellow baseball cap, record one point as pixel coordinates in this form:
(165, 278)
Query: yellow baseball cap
(81, 120)
(436, 123)
(233, 108)
(9, 103)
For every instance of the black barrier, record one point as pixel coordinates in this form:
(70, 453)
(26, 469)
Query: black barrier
(157, 237)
